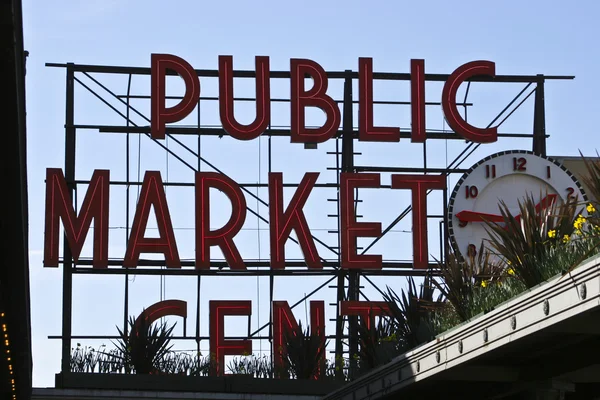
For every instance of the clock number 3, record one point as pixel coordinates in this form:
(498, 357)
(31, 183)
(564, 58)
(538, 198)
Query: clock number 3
(519, 163)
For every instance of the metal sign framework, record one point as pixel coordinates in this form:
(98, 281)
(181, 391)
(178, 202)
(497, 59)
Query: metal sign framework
(347, 283)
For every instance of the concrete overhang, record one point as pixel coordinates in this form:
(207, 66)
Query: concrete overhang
(549, 335)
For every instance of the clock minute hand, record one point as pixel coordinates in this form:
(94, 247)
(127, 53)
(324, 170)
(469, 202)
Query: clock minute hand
(544, 203)
(474, 216)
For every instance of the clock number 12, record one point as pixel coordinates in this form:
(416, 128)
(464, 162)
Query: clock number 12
(519, 163)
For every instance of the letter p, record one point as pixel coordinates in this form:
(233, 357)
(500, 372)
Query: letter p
(160, 114)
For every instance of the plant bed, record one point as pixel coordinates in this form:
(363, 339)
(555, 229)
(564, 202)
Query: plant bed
(519, 339)
(225, 384)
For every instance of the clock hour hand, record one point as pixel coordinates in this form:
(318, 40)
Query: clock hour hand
(474, 216)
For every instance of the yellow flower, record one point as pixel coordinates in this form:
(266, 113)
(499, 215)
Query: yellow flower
(511, 271)
(484, 284)
(552, 233)
(578, 224)
(590, 208)
(565, 238)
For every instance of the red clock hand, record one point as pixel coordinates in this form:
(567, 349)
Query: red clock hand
(546, 202)
(474, 216)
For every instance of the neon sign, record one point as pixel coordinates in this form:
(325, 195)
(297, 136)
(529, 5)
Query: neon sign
(283, 219)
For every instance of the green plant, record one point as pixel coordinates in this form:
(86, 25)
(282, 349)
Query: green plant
(258, 367)
(84, 359)
(305, 350)
(145, 346)
(378, 344)
(336, 369)
(472, 285)
(411, 315)
(183, 363)
(540, 243)
(408, 321)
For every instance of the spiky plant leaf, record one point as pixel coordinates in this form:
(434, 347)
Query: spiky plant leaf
(146, 345)
(378, 344)
(305, 350)
(472, 284)
(526, 241)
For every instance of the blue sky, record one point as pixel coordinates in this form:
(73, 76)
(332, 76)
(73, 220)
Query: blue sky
(531, 37)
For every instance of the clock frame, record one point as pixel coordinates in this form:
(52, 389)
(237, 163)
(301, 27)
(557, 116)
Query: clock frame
(507, 176)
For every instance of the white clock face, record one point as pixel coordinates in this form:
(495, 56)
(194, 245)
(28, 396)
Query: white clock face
(508, 177)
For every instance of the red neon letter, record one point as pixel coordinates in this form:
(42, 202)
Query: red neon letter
(162, 309)
(223, 237)
(282, 222)
(351, 229)
(455, 121)
(419, 184)
(263, 99)
(368, 132)
(160, 114)
(59, 206)
(417, 100)
(315, 97)
(152, 195)
(219, 347)
(367, 310)
(284, 321)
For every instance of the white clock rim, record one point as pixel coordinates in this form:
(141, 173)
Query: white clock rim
(466, 174)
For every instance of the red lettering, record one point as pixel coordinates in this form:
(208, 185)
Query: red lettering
(351, 229)
(282, 222)
(162, 309)
(315, 97)
(160, 114)
(419, 184)
(367, 310)
(417, 100)
(284, 322)
(263, 99)
(368, 132)
(152, 196)
(223, 237)
(59, 207)
(455, 121)
(219, 347)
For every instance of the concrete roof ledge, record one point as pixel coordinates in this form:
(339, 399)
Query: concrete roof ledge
(538, 309)
(107, 394)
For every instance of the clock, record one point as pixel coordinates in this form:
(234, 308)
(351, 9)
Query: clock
(508, 176)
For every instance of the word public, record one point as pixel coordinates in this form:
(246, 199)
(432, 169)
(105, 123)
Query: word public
(283, 219)
(317, 96)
